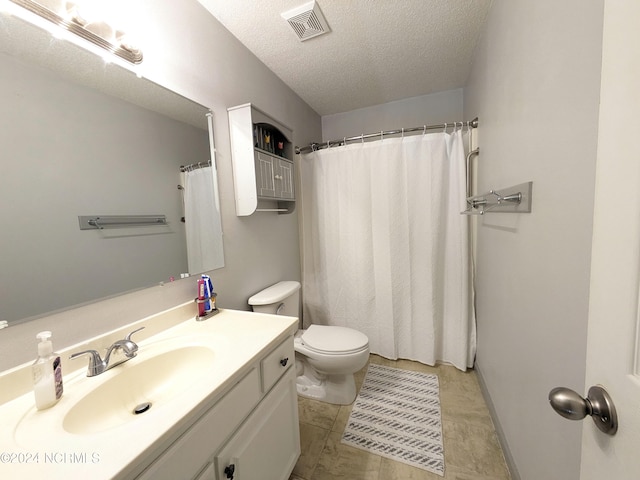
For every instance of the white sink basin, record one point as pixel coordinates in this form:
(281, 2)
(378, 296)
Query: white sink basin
(134, 384)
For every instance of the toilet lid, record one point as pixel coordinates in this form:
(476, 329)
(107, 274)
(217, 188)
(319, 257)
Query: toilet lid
(323, 338)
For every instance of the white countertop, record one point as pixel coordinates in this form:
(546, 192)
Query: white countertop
(34, 444)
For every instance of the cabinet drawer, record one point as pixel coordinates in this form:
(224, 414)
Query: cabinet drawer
(187, 456)
(276, 363)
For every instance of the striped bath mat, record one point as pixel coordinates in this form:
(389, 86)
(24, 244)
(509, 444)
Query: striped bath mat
(397, 415)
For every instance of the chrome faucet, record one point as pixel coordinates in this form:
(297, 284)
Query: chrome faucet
(97, 365)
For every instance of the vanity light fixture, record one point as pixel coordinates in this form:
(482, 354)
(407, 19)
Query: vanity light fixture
(66, 15)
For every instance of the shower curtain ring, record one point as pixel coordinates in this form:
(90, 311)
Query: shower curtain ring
(403, 133)
(445, 128)
(424, 130)
(381, 135)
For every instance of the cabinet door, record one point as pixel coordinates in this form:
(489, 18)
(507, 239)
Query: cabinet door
(187, 455)
(265, 175)
(208, 473)
(267, 445)
(284, 179)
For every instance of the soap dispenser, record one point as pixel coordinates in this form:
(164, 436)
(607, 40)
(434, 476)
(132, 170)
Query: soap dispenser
(47, 373)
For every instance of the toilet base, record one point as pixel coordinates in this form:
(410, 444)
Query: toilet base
(335, 389)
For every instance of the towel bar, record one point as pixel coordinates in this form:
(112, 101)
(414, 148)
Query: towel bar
(516, 199)
(99, 222)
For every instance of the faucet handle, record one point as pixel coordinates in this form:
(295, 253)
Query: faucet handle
(96, 365)
(128, 337)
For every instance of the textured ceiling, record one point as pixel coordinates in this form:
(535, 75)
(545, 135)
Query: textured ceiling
(377, 51)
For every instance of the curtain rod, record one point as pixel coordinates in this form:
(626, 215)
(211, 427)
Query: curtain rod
(317, 146)
(194, 166)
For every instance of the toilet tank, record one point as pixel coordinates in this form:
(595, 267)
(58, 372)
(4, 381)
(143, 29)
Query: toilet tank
(283, 298)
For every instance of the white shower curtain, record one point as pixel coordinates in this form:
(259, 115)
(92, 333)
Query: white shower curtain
(385, 249)
(202, 221)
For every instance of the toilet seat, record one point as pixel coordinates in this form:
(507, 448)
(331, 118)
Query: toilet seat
(330, 340)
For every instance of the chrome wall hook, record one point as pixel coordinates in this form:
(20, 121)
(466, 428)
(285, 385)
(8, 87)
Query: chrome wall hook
(512, 198)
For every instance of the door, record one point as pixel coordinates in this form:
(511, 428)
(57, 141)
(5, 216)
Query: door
(612, 345)
(265, 175)
(267, 445)
(284, 179)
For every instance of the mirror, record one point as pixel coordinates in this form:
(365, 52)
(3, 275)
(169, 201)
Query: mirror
(83, 137)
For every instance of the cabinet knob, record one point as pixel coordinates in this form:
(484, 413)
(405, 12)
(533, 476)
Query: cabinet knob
(229, 470)
(278, 177)
(284, 361)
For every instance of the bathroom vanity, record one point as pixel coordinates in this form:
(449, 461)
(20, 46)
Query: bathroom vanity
(222, 400)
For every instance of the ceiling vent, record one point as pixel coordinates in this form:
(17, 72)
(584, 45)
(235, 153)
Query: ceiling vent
(307, 21)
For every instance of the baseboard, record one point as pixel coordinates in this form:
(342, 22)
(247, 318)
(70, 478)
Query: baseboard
(496, 423)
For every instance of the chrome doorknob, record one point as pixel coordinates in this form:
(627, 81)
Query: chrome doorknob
(598, 405)
(569, 404)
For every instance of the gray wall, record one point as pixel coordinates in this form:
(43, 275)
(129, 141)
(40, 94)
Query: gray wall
(188, 51)
(535, 87)
(430, 109)
(193, 54)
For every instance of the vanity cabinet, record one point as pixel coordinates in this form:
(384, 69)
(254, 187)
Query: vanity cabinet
(249, 433)
(262, 157)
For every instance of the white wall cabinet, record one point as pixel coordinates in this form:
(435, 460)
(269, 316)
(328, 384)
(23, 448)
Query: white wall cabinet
(262, 156)
(250, 432)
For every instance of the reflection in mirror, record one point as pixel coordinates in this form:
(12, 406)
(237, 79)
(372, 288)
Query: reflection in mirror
(71, 150)
(87, 21)
(201, 209)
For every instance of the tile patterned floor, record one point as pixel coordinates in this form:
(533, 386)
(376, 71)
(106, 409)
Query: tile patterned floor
(471, 448)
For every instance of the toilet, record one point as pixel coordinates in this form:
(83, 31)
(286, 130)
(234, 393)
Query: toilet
(326, 356)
